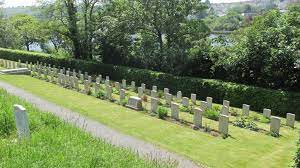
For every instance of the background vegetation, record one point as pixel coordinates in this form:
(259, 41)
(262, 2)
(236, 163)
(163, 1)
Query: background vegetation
(168, 36)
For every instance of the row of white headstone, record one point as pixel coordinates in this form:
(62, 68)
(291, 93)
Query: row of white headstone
(68, 78)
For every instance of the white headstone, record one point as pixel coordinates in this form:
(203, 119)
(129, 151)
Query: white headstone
(194, 98)
(154, 88)
(97, 88)
(209, 101)
(185, 101)
(267, 113)
(223, 124)
(154, 93)
(122, 95)
(275, 125)
(175, 111)
(246, 109)
(124, 84)
(81, 78)
(98, 80)
(225, 110)
(154, 105)
(203, 105)
(86, 86)
(90, 79)
(143, 85)
(197, 117)
(290, 119)
(166, 90)
(76, 83)
(140, 92)
(22, 123)
(169, 98)
(132, 85)
(179, 95)
(117, 86)
(106, 82)
(226, 103)
(108, 92)
(135, 103)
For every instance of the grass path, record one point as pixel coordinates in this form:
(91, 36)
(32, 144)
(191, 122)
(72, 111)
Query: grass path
(244, 149)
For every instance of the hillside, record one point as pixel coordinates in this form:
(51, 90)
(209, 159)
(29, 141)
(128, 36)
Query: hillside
(20, 10)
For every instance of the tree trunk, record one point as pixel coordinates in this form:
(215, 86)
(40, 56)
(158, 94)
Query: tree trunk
(73, 28)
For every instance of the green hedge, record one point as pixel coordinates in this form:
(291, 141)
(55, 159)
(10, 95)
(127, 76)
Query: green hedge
(281, 102)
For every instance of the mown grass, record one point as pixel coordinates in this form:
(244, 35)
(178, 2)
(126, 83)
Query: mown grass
(244, 148)
(54, 143)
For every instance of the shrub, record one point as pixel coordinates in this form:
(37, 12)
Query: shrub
(100, 95)
(212, 113)
(162, 112)
(264, 120)
(281, 102)
(244, 122)
(185, 109)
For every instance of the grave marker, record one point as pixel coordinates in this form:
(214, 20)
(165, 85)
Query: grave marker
(135, 103)
(175, 111)
(223, 124)
(22, 123)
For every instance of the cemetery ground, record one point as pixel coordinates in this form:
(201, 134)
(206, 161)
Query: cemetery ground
(54, 143)
(243, 148)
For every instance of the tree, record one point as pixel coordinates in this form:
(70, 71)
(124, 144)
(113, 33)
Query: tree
(75, 21)
(154, 31)
(28, 29)
(266, 53)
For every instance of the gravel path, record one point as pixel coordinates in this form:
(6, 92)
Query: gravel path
(99, 130)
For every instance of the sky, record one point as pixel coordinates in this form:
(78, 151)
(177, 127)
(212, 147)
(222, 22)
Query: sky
(14, 3)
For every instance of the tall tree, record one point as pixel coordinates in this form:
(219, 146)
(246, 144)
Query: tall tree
(28, 28)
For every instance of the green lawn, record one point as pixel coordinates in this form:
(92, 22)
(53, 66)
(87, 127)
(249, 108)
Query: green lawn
(54, 143)
(244, 148)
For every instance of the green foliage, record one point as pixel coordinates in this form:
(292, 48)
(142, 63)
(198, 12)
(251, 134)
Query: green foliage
(281, 102)
(162, 112)
(264, 120)
(267, 51)
(6, 116)
(101, 94)
(212, 113)
(185, 109)
(247, 123)
(229, 22)
(124, 102)
(297, 157)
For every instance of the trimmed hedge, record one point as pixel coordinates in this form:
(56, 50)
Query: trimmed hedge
(281, 102)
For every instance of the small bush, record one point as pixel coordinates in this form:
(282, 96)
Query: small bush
(234, 112)
(101, 95)
(185, 109)
(124, 102)
(212, 114)
(160, 94)
(264, 120)
(244, 122)
(145, 98)
(162, 112)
